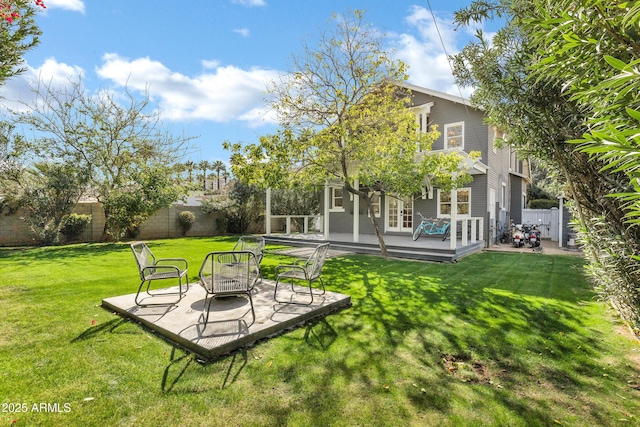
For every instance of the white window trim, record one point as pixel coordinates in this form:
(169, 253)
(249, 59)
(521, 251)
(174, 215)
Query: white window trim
(332, 207)
(446, 138)
(503, 196)
(459, 215)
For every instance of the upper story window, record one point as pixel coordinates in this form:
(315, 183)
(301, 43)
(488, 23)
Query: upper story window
(454, 135)
(337, 199)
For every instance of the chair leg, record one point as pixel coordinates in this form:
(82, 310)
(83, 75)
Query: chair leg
(207, 306)
(275, 291)
(253, 312)
(138, 293)
(180, 293)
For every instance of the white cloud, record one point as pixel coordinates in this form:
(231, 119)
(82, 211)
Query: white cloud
(18, 90)
(74, 5)
(244, 32)
(250, 3)
(225, 94)
(210, 63)
(424, 51)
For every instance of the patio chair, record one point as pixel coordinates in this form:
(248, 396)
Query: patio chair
(255, 244)
(306, 270)
(227, 274)
(152, 268)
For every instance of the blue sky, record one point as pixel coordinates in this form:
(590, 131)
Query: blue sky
(205, 63)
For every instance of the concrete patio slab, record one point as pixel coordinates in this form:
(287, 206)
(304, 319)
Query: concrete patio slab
(230, 324)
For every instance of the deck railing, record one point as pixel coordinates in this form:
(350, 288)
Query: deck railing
(308, 220)
(472, 229)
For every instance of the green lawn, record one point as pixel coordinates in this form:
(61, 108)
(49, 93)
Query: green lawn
(495, 339)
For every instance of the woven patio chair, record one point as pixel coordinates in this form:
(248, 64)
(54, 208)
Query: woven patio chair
(152, 268)
(226, 274)
(306, 270)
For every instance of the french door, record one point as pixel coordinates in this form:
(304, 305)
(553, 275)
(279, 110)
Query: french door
(399, 214)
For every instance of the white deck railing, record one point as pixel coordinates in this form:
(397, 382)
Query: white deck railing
(307, 220)
(474, 232)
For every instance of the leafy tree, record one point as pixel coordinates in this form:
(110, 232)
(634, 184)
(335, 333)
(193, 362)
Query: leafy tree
(126, 150)
(150, 188)
(344, 117)
(558, 74)
(48, 193)
(296, 201)
(243, 207)
(17, 36)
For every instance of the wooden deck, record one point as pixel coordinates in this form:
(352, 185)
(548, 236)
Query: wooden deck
(398, 246)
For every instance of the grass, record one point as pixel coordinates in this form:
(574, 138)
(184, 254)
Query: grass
(495, 339)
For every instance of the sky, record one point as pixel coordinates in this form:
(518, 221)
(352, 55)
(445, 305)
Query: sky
(206, 63)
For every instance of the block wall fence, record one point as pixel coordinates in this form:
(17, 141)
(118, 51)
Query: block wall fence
(162, 225)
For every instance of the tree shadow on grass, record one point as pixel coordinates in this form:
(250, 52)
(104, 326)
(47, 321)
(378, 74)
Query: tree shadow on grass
(522, 327)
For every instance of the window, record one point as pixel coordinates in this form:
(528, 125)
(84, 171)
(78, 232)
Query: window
(503, 196)
(454, 135)
(464, 202)
(337, 199)
(423, 122)
(375, 202)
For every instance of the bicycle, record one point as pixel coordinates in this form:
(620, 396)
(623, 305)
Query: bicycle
(428, 227)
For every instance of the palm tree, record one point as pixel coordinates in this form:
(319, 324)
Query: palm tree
(218, 166)
(204, 166)
(189, 167)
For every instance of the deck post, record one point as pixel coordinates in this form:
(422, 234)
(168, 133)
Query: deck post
(356, 212)
(327, 202)
(454, 219)
(267, 220)
(474, 223)
(465, 232)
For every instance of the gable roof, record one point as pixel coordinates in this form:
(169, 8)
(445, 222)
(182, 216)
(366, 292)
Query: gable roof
(438, 94)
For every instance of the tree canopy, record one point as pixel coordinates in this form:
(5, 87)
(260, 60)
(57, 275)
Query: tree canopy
(344, 118)
(17, 36)
(127, 151)
(560, 77)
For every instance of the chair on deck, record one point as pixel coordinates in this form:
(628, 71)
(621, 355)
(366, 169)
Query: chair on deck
(308, 270)
(255, 244)
(151, 269)
(226, 274)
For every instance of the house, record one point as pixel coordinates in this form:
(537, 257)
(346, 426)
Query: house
(497, 193)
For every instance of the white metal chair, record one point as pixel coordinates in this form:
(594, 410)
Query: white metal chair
(308, 270)
(152, 268)
(231, 273)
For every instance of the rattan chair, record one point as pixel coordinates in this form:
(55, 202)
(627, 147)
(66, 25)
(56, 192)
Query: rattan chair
(306, 270)
(153, 269)
(225, 274)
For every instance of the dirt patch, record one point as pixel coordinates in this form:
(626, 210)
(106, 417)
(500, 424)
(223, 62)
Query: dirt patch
(465, 369)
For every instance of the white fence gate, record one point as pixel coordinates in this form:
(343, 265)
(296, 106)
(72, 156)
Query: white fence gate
(546, 219)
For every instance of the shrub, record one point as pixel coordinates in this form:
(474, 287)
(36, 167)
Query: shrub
(73, 225)
(186, 220)
(542, 203)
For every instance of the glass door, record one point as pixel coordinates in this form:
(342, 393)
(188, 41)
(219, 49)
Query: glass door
(399, 214)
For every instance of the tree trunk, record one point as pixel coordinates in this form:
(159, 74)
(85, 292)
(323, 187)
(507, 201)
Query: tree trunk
(374, 221)
(376, 227)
